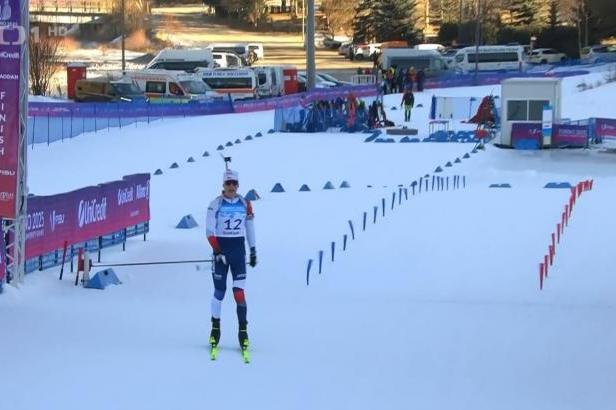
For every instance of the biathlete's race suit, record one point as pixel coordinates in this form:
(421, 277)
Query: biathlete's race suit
(229, 223)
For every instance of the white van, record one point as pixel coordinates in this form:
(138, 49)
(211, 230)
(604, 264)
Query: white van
(430, 61)
(490, 58)
(240, 49)
(238, 83)
(270, 81)
(226, 60)
(164, 86)
(182, 59)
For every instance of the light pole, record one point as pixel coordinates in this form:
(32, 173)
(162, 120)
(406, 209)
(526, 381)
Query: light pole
(310, 64)
(123, 28)
(477, 38)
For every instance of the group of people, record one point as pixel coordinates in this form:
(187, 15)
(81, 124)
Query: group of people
(397, 80)
(349, 114)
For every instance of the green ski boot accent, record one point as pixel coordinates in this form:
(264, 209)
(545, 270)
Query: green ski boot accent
(214, 338)
(243, 339)
(213, 349)
(245, 352)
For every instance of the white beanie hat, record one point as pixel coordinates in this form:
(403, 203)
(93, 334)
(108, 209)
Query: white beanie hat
(230, 175)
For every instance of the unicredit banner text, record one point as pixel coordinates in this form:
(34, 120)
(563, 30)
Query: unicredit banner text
(86, 214)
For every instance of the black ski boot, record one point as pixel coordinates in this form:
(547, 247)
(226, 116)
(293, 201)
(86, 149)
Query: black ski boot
(215, 333)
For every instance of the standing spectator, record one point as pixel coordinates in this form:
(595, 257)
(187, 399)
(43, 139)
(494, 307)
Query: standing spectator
(400, 79)
(421, 78)
(413, 74)
(408, 81)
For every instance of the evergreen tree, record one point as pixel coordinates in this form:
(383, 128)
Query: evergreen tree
(523, 12)
(553, 17)
(364, 21)
(394, 20)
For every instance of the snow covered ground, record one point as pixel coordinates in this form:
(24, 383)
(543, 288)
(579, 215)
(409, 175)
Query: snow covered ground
(436, 306)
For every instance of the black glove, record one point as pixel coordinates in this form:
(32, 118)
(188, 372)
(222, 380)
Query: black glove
(253, 257)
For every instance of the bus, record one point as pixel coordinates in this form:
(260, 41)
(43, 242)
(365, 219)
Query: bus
(489, 58)
(238, 83)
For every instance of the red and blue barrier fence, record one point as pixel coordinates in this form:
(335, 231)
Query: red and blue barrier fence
(91, 218)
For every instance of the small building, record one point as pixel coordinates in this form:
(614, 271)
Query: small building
(523, 101)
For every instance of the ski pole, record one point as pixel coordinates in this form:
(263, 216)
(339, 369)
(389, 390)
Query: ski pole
(98, 265)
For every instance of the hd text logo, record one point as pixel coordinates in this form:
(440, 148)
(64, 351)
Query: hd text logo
(16, 35)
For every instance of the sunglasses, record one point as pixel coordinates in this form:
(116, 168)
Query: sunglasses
(235, 183)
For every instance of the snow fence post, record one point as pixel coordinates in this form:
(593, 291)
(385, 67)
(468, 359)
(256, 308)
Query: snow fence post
(352, 229)
(541, 273)
(333, 251)
(420, 184)
(63, 258)
(376, 208)
(383, 206)
(344, 242)
(393, 200)
(320, 262)
(85, 278)
(364, 221)
(308, 272)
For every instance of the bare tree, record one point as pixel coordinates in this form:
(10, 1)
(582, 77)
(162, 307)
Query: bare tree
(45, 60)
(339, 15)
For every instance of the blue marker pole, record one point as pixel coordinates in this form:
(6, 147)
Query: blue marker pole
(393, 200)
(344, 242)
(308, 272)
(364, 222)
(383, 203)
(352, 229)
(320, 262)
(333, 251)
(376, 208)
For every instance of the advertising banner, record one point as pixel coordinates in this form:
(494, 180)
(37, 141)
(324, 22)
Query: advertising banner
(605, 128)
(570, 135)
(11, 38)
(526, 131)
(546, 123)
(86, 213)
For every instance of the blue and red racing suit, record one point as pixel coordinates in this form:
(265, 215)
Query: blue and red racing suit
(229, 223)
